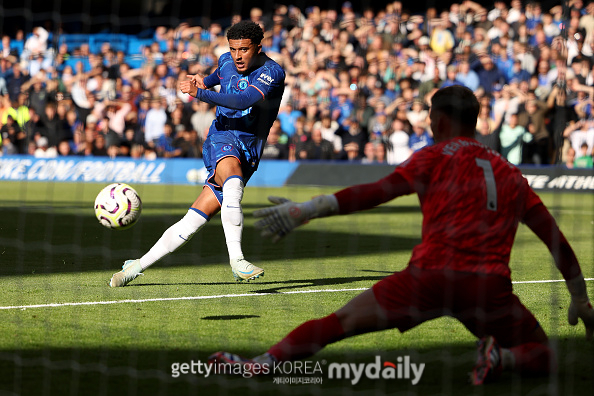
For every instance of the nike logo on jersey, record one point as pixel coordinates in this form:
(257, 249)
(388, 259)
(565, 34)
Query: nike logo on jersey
(233, 207)
(182, 238)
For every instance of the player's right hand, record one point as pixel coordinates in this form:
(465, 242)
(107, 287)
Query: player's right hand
(197, 80)
(277, 221)
(581, 308)
(188, 87)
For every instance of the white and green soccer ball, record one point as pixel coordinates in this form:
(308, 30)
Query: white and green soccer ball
(118, 206)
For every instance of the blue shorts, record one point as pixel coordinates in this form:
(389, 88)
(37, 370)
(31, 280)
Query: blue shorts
(222, 144)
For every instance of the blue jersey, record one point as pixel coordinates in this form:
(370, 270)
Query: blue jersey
(247, 103)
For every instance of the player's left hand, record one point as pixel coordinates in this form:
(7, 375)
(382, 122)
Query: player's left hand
(277, 221)
(581, 308)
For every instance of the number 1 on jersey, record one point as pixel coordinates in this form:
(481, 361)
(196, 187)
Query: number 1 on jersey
(489, 182)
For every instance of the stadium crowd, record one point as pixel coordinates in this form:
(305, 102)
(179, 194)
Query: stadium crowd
(359, 84)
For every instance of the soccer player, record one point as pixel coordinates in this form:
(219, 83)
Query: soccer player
(472, 201)
(251, 87)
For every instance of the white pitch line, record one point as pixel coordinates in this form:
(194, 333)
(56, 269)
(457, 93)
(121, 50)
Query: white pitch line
(75, 304)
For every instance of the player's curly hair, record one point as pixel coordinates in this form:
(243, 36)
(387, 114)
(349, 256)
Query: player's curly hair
(246, 30)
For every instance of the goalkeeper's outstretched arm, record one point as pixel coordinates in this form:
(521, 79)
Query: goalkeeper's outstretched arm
(279, 220)
(542, 223)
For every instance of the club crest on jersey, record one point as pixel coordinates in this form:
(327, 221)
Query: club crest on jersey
(227, 147)
(242, 84)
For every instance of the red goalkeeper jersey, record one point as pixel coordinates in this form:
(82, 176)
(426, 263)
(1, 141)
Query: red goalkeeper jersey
(472, 200)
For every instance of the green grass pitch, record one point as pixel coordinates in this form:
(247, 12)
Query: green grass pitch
(124, 341)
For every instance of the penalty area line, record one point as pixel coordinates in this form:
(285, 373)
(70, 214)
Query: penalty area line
(189, 298)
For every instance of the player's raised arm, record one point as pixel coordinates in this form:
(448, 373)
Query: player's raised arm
(195, 81)
(241, 101)
(277, 221)
(542, 223)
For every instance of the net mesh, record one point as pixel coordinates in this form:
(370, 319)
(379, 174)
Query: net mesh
(65, 331)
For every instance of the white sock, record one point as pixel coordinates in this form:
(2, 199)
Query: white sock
(232, 216)
(174, 237)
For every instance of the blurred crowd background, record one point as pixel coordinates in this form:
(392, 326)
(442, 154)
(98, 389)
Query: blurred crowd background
(359, 83)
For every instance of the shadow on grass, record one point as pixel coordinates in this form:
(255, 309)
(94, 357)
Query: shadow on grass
(107, 371)
(279, 286)
(230, 317)
(36, 241)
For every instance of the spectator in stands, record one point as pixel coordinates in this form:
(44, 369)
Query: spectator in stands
(368, 153)
(417, 113)
(274, 148)
(316, 148)
(203, 115)
(287, 117)
(342, 109)
(13, 137)
(15, 80)
(577, 133)
(489, 75)
(562, 115)
(36, 43)
(51, 124)
(156, 118)
(187, 145)
(533, 118)
(163, 145)
(99, 147)
(513, 138)
(398, 149)
(442, 39)
(584, 157)
(7, 51)
(517, 72)
(330, 129)
(352, 152)
(43, 149)
(64, 149)
(421, 136)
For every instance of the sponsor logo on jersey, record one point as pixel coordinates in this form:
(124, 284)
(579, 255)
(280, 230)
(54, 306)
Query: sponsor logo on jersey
(242, 84)
(265, 79)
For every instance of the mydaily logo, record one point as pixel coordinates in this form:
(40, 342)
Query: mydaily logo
(402, 369)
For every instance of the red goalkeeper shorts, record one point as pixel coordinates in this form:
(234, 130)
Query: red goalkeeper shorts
(485, 304)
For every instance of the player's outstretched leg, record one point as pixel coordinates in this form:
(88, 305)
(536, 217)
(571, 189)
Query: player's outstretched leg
(172, 239)
(232, 219)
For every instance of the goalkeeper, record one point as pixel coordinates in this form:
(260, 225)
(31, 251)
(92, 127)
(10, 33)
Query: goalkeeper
(252, 86)
(472, 201)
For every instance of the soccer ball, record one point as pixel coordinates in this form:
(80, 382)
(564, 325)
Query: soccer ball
(118, 206)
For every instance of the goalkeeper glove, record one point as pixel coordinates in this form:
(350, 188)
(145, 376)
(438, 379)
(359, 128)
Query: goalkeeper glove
(580, 306)
(277, 221)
